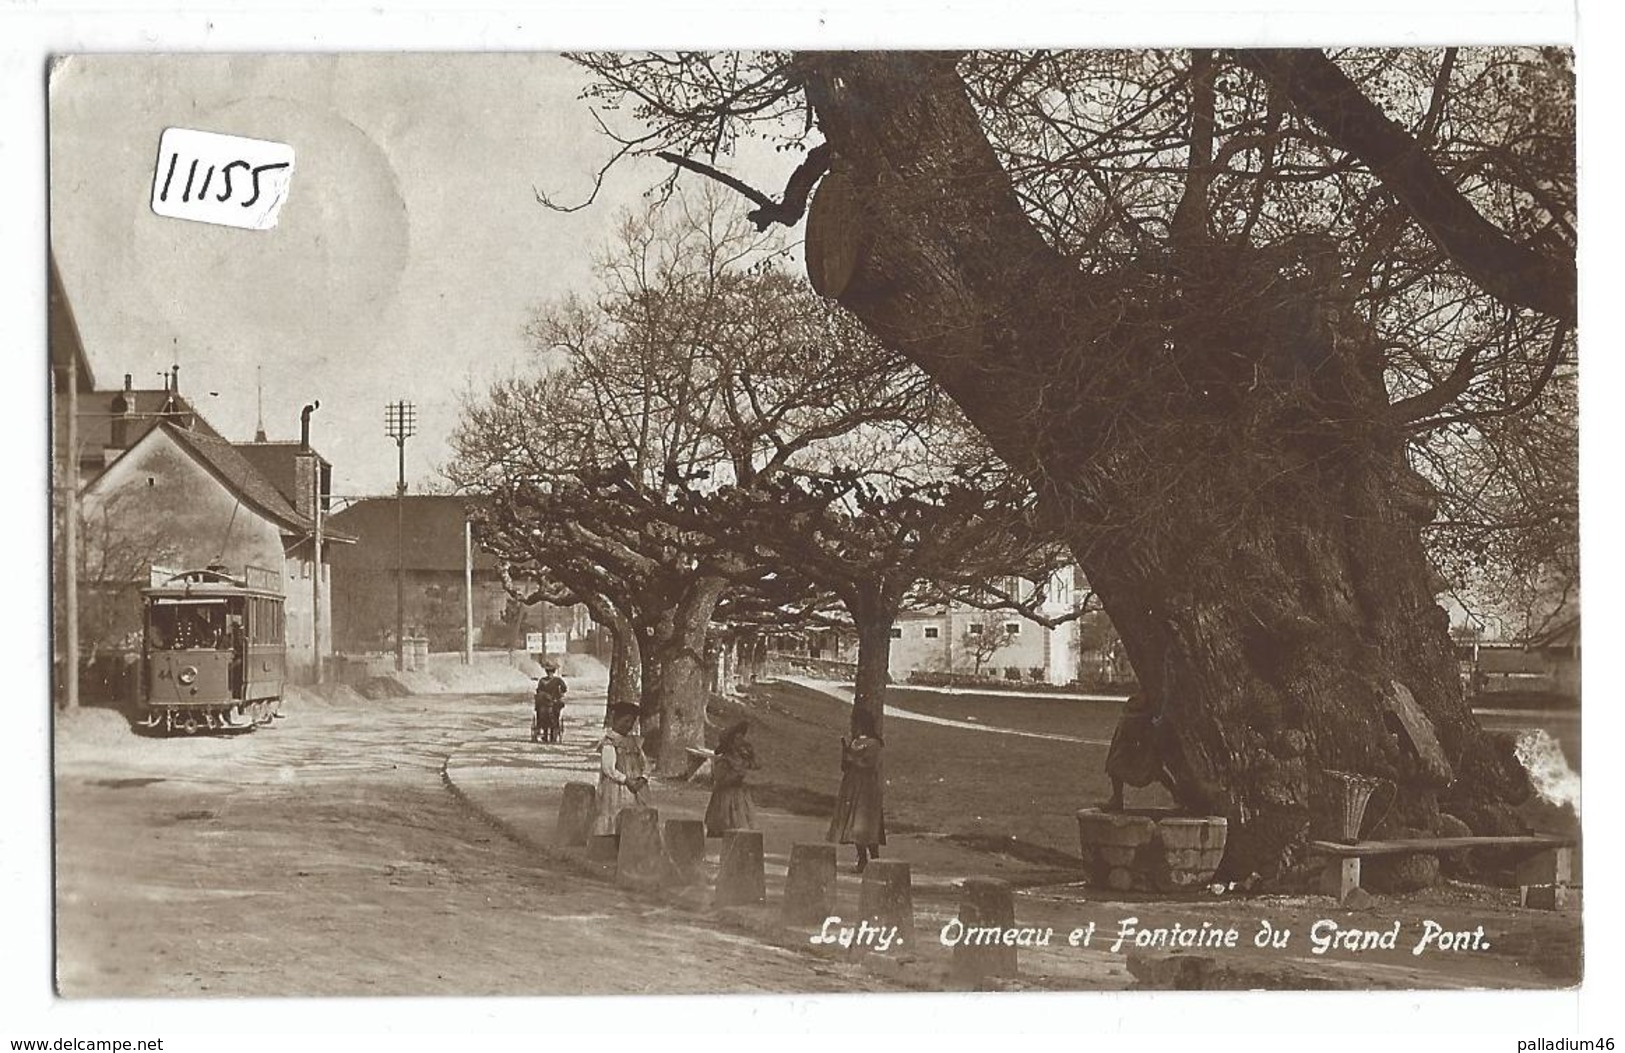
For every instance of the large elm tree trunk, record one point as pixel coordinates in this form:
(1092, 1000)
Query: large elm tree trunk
(679, 693)
(625, 665)
(752, 657)
(1212, 428)
(653, 637)
(873, 606)
(625, 662)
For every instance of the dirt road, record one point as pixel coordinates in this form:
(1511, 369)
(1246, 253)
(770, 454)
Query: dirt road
(323, 856)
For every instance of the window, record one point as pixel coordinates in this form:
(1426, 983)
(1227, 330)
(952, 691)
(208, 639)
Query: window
(975, 629)
(931, 632)
(1012, 628)
(896, 632)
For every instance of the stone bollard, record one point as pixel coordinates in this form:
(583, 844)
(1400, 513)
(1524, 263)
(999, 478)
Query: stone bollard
(809, 888)
(641, 858)
(741, 879)
(886, 897)
(685, 845)
(984, 903)
(603, 848)
(576, 810)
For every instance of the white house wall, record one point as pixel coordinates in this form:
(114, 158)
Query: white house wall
(1033, 646)
(159, 498)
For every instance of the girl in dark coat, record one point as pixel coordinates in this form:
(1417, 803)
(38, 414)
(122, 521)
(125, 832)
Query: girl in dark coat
(860, 814)
(731, 807)
(1135, 755)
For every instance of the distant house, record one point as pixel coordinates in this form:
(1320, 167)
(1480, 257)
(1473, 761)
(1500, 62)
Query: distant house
(959, 638)
(962, 639)
(183, 497)
(424, 537)
(1543, 668)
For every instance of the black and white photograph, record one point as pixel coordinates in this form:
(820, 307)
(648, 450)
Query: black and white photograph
(530, 524)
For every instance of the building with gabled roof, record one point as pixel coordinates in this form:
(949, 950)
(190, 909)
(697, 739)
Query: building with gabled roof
(180, 497)
(112, 421)
(146, 480)
(290, 465)
(425, 536)
(1541, 669)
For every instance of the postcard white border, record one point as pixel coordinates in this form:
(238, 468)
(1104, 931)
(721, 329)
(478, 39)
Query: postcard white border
(30, 32)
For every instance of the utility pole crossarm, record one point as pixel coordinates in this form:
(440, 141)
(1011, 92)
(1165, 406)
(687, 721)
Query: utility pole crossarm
(400, 423)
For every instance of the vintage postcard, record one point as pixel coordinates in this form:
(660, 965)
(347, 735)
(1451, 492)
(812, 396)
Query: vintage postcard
(815, 522)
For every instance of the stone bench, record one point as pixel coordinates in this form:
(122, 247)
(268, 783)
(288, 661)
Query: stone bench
(1549, 862)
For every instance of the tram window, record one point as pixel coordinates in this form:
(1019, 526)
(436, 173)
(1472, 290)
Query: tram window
(160, 629)
(190, 626)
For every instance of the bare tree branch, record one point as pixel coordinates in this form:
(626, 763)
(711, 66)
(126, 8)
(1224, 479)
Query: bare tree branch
(1512, 273)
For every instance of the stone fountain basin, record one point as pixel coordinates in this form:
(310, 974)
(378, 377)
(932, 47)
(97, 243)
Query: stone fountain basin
(1150, 849)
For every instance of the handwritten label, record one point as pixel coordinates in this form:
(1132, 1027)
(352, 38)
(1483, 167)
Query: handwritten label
(222, 179)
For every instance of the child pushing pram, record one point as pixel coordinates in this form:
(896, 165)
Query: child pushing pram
(546, 725)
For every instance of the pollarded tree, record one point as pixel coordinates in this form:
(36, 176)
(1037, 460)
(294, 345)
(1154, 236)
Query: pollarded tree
(531, 450)
(697, 365)
(781, 602)
(525, 435)
(1208, 303)
(892, 522)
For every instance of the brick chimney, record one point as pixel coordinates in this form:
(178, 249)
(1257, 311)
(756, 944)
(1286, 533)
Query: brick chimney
(120, 430)
(122, 409)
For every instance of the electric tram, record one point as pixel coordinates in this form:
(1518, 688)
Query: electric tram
(214, 651)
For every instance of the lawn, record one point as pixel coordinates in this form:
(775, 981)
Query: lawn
(984, 789)
(979, 787)
(1058, 716)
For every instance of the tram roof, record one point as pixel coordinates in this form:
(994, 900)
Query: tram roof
(254, 581)
(207, 590)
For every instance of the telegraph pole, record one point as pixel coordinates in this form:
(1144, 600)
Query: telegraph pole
(315, 547)
(468, 592)
(400, 423)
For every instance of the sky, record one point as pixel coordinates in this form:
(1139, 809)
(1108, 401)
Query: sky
(408, 256)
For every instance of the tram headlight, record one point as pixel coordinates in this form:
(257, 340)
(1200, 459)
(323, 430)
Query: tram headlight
(188, 675)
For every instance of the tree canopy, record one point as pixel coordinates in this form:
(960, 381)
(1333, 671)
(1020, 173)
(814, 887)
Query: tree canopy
(1221, 310)
(706, 433)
